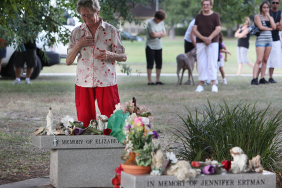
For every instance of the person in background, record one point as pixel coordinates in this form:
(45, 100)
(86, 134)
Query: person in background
(243, 36)
(274, 60)
(98, 46)
(189, 38)
(222, 49)
(266, 24)
(26, 55)
(155, 31)
(2, 51)
(207, 27)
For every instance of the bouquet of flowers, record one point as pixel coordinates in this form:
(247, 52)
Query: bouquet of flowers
(138, 140)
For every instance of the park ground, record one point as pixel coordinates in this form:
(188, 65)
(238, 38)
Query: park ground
(23, 108)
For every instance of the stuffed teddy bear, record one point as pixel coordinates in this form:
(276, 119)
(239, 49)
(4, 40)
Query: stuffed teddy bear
(239, 162)
(182, 170)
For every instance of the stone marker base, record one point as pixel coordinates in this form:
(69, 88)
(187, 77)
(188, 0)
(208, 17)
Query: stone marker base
(82, 160)
(226, 180)
(84, 167)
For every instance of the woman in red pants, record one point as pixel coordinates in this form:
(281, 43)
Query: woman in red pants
(99, 46)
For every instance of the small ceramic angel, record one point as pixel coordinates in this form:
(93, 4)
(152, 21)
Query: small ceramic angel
(49, 119)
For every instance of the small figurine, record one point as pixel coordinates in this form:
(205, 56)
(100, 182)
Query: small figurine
(157, 163)
(255, 165)
(182, 170)
(102, 123)
(49, 119)
(239, 162)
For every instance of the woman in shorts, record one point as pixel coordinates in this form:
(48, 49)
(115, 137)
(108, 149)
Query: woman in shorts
(243, 36)
(263, 42)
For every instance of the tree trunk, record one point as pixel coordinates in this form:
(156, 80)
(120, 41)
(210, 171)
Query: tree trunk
(229, 33)
(172, 33)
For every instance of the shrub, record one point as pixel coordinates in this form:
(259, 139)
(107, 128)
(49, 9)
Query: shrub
(213, 130)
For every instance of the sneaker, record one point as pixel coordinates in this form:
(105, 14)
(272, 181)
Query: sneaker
(214, 88)
(263, 81)
(199, 89)
(207, 83)
(254, 81)
(16, 82)
(216, 82)
(160, 83)
(224, 81)
(28, 82)
(272, 81)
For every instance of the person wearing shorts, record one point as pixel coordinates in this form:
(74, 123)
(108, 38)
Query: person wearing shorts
(243, 36)
(263, 42)
(189, 38)
(154, 32)
(274, 60)
(26, 55)
(2, 51)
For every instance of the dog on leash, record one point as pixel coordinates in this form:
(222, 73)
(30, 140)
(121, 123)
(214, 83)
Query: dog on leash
(185, 61)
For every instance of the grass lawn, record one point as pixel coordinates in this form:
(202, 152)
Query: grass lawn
(171, 48)
(23, 108)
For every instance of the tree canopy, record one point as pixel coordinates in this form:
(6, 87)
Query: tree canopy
(22, 20)
(231, 11)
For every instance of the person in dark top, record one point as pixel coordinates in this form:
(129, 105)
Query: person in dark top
(2, 51)
(26, 55)
(207, 27)
(274, 60)
(243, 36)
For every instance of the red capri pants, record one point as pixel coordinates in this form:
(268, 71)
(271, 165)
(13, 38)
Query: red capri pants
(107, 98)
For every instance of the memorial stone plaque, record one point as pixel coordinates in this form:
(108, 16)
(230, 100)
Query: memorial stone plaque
(225, 180)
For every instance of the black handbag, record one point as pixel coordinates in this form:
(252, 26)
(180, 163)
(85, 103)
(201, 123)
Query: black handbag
(254, 30)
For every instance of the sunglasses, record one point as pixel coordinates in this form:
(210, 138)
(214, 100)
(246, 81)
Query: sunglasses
(277, 3)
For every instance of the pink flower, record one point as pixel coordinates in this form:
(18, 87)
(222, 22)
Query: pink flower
(138, 121)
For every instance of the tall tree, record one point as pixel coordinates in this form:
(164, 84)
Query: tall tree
(22, 20)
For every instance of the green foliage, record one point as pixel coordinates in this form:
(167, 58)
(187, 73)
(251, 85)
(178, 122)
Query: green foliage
(144, 158)
(22, 20)
(214, 130)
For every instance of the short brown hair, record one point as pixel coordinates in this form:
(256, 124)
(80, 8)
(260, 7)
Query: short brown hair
(211, 2)
(261, 5)
(160, 14)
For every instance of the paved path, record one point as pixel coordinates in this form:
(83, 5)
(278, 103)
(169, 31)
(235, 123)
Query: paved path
(31, 183)
(141, 74)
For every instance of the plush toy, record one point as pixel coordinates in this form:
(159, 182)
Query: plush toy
(182, 170)
(157, 163)
(255, 164)
(239, 162)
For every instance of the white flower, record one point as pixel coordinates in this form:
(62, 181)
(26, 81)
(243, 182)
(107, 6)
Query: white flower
(145, 121)
(131, 117)
(171, 156)
(118, 107)
(65, 121)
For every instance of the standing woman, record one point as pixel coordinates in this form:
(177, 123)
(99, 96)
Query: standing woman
(243, 36)
(264, 41)
(2, 51)
(207, 27)
(98, 46)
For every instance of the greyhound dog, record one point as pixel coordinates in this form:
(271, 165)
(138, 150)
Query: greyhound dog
(185, 61)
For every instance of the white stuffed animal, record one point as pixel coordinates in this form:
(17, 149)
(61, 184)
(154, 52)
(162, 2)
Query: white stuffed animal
(239, 162)
(182, 170)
